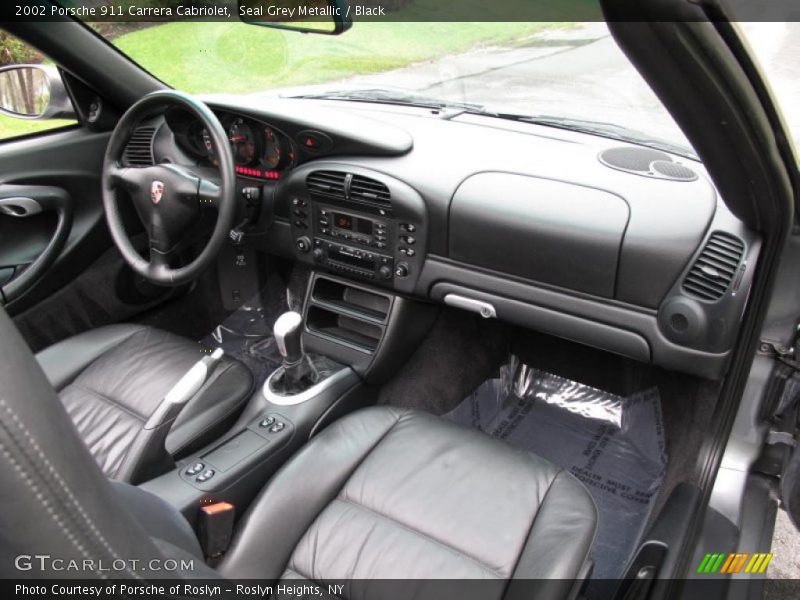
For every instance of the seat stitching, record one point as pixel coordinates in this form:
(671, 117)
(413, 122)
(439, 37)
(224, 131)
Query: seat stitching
(438, 542)
(39, 495)
(111, 401)
(62, 484)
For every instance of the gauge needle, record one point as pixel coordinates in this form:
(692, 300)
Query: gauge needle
(238, 138)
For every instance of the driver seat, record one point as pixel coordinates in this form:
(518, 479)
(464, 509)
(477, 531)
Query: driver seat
(111, 379)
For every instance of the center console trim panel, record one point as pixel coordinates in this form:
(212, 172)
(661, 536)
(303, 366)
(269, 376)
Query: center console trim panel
(385, 241)
(339, 381)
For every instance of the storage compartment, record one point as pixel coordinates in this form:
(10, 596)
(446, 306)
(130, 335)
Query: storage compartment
(543, 230)
(351, 300)
(344, 329)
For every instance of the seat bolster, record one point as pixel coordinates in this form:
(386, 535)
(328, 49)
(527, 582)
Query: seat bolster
(63, 361)
(567, 513)
(285, 509)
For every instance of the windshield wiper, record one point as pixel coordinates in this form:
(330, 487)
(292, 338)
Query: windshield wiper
(379, 95)
(601, 128)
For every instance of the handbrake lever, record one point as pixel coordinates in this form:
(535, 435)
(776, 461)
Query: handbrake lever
(148, 448)
(183, 391)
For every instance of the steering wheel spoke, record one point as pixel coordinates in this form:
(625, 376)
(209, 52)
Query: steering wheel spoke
(209, 192)
(123, 177)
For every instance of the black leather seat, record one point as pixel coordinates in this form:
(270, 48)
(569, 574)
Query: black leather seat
(111, 379)
(390, 493)
(382, 498)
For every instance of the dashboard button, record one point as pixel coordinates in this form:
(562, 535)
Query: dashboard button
(408, 227)
(279, 426)
(401, 270)
(303, 244)
(409, 239)
(266, 421)
(313, 140)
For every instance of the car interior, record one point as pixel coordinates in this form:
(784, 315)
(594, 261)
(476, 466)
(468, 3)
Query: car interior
(360, 339)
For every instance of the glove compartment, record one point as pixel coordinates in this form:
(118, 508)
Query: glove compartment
(543, 230)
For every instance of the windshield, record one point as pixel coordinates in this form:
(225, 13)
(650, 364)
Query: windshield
(563, 70)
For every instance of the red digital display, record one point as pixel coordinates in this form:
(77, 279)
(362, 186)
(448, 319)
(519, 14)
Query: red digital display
(258, 173)
(344, 222)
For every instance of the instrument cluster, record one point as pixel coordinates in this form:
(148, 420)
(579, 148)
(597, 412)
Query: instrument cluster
(259, 150)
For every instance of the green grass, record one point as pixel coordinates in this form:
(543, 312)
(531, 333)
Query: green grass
(11, 127)
(237, 58)
(208, 57)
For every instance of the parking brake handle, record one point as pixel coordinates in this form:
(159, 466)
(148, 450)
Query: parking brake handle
(148, 456)
(183, 391)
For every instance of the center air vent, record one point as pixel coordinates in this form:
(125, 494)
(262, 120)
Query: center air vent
(327, 185)
(647, 162)
(139, 150)
(714, 270)
(336, 185)
(369, 191)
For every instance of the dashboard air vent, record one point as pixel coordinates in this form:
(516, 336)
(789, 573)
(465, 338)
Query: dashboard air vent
(715, 268)
(369, 191)
(139, 150)
(327, 184)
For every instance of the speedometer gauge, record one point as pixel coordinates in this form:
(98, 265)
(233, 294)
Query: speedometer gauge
(273, 153)
(243, 142)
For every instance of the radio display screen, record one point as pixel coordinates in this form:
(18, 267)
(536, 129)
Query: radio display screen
(354, 224)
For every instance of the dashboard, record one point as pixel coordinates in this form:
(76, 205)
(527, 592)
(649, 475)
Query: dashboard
(613, 245)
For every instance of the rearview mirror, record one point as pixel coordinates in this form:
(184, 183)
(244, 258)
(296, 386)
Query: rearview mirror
(33, 92)
(329, 17)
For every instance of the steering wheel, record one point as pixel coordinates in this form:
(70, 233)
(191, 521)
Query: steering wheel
(168, 197)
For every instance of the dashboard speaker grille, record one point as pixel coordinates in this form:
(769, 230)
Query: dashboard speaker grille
(632, 159)
(715, 268)
(139, 149)
(327, 184)
(672, 170)
(647, 162)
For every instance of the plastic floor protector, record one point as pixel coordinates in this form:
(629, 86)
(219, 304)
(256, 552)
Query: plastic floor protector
(613, 444)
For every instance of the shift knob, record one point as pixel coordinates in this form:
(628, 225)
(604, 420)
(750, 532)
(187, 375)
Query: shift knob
(288, 332)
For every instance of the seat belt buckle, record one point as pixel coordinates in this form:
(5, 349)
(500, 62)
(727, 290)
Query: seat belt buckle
(215, 528)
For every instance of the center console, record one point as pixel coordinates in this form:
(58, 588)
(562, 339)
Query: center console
(357, 223)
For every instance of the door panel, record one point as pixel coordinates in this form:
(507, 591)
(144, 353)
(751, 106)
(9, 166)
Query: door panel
(70, 161)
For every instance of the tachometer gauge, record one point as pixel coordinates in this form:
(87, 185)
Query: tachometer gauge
(243, 142)
(273, 153)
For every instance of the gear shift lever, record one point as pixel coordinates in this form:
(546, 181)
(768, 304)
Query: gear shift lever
(288, 332)
(300, 371)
